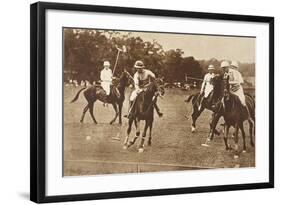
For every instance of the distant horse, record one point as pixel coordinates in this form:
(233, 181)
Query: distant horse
(234, 114)
(116, 97)
(206, 103)
(143, 109)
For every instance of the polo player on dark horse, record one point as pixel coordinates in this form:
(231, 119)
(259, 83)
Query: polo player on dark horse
(110, 92)
(143, 101)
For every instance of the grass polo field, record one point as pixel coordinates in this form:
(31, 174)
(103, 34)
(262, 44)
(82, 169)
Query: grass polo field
(91, 149)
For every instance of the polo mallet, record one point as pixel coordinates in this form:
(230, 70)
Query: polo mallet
(123, 49)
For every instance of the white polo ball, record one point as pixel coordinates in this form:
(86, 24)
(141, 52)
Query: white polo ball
(88, 137)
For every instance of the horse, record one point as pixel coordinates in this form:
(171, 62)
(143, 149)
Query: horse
(143, 109)
(206, 103)
(116, 97)
(234, 114)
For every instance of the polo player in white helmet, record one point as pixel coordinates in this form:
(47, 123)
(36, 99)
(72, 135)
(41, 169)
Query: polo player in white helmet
(207, 87)
(106, 77)
(235, 80)
(141, 79)
(235, 66)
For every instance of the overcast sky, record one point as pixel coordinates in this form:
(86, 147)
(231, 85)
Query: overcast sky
(205, 47)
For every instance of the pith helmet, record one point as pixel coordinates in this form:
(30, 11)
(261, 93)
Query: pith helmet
(211, 67)
(224, 64)
(139, 64)
(234, 64)
(106, 63)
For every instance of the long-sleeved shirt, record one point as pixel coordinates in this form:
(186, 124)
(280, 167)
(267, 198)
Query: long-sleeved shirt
(141, 79)
(106, 75)
(207, 86)
(235, 77)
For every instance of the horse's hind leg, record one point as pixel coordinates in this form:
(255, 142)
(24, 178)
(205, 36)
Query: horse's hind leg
(137, 124)
(120, 106)
(141, 146)
(84, 112)
(243, 136)
(251, 127)
(91, 109)
(116, 113)
(226, 131)
(128, 133)
(195, 114)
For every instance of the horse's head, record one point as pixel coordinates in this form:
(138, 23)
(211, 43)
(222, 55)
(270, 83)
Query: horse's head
(156, 87)
(216, 81)
(125, 78)
(225, 87)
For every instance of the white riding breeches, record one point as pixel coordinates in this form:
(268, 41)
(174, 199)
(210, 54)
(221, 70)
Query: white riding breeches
(106, 87)
(208, 90)
(240, 94)
(134, 94)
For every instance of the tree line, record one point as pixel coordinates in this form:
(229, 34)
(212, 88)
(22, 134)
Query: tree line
(85, 50)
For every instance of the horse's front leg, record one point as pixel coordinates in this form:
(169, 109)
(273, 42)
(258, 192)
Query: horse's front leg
(236, 155)
(116, 113)
(128, 133)
(225, 138)
(120, 113)
(141, 146)
(213, 124)
(150, 134)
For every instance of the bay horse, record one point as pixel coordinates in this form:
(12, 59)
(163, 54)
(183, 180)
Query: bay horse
(206, 103)
(116, 97)
(143, 109)
(234, 114)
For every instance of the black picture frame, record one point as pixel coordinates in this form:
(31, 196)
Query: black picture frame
(38, 101)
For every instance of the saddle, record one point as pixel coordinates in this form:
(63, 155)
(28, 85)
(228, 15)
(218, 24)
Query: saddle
(102, 94)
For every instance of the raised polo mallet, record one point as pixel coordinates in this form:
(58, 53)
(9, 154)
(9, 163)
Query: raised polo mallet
(123, 49)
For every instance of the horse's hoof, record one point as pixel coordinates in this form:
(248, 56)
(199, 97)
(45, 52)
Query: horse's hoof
(252, 144)
(193, 129)
(141, 150)
(149, 143)
(125, 147)
(236, 156)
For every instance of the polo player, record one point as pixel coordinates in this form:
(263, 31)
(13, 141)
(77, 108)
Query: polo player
(106, 77)
(235, 80)
(207, 86)
(141, 79)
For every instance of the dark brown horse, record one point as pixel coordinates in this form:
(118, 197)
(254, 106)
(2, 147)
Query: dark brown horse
(116, 97)
(206, 103)
(143, 109)
(234, 114)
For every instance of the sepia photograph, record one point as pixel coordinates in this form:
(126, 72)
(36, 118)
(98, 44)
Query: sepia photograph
(138, 102)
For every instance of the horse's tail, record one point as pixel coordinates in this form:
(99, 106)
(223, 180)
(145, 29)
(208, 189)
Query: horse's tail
(77, 95)
(189, 98)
